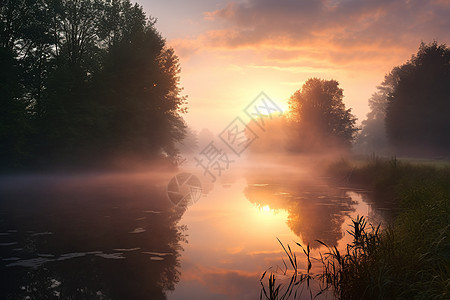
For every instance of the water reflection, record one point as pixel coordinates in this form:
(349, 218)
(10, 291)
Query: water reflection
(315, 210)
(120, 237)
(89, 237)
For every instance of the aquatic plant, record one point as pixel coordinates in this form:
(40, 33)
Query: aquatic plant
(409, 259)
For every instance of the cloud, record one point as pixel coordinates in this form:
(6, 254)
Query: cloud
(337, 33)
(341, 22)
(234, 283)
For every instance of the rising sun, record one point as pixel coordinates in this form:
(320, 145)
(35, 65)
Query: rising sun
(265, 208)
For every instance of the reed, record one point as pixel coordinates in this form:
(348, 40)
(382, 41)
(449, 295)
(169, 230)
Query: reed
(337, 267)
(408, 259)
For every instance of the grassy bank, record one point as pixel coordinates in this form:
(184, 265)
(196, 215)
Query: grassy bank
(410, 258)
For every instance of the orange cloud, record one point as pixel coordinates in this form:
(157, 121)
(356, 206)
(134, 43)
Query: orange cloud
(226, 282)
(334, 32)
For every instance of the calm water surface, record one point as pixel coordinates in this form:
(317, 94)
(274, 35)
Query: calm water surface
(118, 236)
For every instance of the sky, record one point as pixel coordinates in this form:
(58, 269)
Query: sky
(230, 51)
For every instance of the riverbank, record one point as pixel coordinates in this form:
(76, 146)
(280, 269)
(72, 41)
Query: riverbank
(412, 257)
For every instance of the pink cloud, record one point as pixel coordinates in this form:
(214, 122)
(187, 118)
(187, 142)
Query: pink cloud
(227, 282)
(338, 32)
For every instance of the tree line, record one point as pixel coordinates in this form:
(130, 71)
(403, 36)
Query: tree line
(84, 82)
(409, 113)
(411, 108)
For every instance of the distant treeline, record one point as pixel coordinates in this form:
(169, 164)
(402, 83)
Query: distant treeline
(83, 82)
(410, 114)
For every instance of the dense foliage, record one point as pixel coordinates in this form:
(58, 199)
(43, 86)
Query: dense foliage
(412, 105)
(320, 116)
(85, 81)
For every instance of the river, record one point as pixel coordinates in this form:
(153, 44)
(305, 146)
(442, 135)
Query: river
(124, 236)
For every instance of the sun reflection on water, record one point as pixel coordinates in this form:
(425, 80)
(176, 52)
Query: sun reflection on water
(265, 208)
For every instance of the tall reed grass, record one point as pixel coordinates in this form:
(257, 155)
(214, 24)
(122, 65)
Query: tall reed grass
(408, 259)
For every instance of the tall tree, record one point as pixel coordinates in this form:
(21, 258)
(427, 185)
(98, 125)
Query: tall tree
(86, 79)
(320, 117)
(372, 137)
(140, 80)
(20, 44)
(13, 118)
(418, 106)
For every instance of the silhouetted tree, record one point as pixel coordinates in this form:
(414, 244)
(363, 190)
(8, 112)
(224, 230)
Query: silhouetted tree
(85, 81)
(418, 104)
(189, 144)
(320, 117)
(372, 137)
(13, 119)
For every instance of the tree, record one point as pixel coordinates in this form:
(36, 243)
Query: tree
(13, 119)
(320, 117)
(85, 81)
(372, 137)
(418, 105)
(19, 42)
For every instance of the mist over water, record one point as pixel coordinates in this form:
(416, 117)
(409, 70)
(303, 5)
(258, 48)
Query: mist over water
(120, 197)
(89, 235)
(119, 235)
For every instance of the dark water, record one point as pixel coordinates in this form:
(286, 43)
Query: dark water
(118, 236)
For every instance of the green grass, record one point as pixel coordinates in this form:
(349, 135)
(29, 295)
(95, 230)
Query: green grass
(410, 258)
